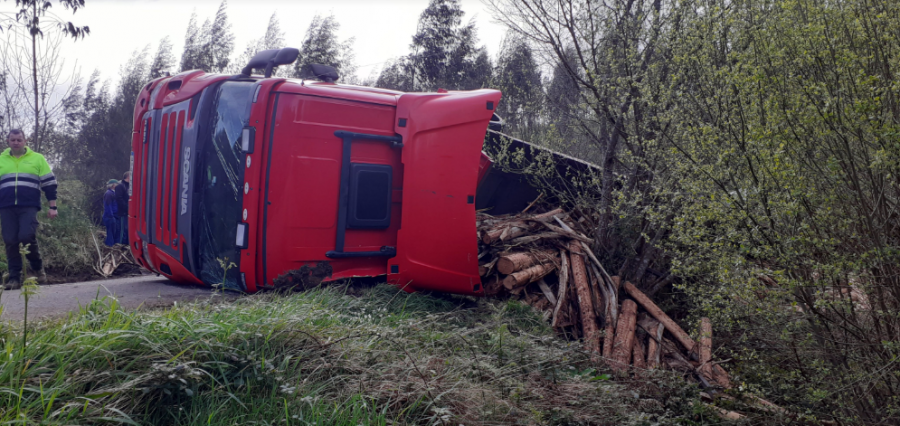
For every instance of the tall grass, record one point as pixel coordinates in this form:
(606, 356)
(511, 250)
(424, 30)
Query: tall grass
(322, 357)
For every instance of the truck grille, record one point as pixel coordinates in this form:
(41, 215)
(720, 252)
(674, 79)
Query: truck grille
(169, 155)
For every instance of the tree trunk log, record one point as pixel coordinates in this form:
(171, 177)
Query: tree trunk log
(498, 231)
(612, 316)
(624, 339)
(586, 309)
(596, 295)
(532, 238)
(654, 348)
(706, 369)
(563, 283)
(545, 217)
(545, 288)
(486, 269)
(513, 262)
(673, 357)
(661, 316)
(527, 276)
(638, 354)
(569, 234)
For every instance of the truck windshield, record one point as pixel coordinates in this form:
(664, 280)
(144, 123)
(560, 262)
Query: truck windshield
(220, 196)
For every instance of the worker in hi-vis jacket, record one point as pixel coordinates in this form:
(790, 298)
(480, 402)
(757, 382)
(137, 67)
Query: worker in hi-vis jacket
(23, 175)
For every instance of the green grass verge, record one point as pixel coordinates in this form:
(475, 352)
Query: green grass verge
(331, 356)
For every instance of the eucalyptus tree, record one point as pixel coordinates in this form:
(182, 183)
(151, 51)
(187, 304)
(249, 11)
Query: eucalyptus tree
(518, 76)
(272, 39)
(163, 61)
(192, 44)
(396, 75)
(445, 52)
(209, 47)
(103, 144)
(321, 45)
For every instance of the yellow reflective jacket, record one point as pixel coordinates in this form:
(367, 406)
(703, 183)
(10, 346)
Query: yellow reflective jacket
(23, 178)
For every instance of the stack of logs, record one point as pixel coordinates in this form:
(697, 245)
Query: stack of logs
(544, 260)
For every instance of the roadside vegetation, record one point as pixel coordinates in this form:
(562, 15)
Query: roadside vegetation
(342, 355)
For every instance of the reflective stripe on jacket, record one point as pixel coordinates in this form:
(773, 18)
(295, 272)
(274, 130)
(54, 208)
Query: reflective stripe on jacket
(22, 179)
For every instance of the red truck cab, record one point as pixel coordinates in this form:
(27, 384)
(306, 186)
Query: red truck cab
(272, 174)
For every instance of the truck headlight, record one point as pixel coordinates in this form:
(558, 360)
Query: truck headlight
(241, 236)
(247, 137)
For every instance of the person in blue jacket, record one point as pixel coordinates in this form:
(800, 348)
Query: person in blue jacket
(23, 175)
(110, 213)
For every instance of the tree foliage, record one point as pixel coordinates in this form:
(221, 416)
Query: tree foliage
(209, 47)
(321, 45)
(163, 61)
(444, 54)
(272, 39)
(748, 153)
(518, 76)
(397, 75)
(101, 149)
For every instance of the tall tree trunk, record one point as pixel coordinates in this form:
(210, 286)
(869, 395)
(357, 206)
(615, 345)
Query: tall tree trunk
(36, 142)
(608, 181)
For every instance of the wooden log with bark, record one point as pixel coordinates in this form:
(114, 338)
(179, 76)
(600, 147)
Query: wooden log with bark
(674, 359)
(654, 348)
(548, 216)
(517, 227)
(586, 310)
(545, 288)
(511, 262)
(624, 337)
(638, 356)
(486, 269)
(656, 312)
(519, 250)
(568, 234)
(527, 276)
(706, 368)
(563, 284)
(611, 319)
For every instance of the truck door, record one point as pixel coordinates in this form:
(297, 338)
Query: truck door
(306, 174)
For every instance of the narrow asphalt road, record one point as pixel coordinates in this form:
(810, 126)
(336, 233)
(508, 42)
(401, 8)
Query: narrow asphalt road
(59, 299)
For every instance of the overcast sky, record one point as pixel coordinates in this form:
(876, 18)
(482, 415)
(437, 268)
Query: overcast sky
(382, 29)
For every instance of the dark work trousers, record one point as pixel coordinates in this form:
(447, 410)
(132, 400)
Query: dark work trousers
(122, 238)
(19, 225)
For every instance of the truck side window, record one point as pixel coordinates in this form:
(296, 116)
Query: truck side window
(370, 196)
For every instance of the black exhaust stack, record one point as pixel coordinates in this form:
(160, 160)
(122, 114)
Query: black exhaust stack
(319, 72)
(269, 59)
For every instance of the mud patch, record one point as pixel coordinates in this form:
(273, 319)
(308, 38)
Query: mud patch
(305, 278)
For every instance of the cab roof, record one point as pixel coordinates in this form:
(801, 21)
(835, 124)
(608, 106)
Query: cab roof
(183, 86)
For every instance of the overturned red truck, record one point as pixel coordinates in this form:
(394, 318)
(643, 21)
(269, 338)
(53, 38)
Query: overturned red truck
(270, 174)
